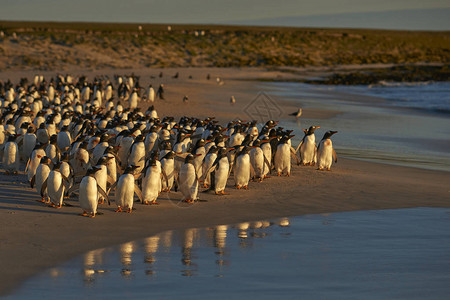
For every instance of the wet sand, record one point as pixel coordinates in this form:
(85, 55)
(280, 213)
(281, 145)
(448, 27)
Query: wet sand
(34, 237)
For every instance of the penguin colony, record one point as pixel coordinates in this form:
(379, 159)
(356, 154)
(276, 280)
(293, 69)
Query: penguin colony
(76, 139)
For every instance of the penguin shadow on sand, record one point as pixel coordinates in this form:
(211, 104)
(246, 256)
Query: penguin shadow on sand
(25, 201)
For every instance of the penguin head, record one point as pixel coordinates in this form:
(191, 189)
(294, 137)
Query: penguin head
(257, 143)
(328, 134)
(53, 139)
(139, 138)
(166, 145)
(45, 160)
(311, 130)
(130, 169)
(30, 130)
(189, 159)
(213, 149)
(104, 160)
(92, 170)
(65, 157)
(169, 155)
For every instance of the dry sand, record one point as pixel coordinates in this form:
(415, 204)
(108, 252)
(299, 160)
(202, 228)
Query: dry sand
(34, 237)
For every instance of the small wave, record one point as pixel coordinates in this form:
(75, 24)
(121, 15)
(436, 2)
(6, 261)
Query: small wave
(385, 83)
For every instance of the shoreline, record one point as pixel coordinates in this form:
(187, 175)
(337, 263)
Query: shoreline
(35, 237)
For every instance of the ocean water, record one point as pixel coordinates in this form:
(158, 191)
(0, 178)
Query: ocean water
(385, 254)
(401, 124)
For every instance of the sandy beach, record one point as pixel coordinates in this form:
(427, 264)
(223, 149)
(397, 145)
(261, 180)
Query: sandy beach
(34, 237)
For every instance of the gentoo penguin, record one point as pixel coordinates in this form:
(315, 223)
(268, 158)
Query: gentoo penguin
(52, 150)
(325, 152)
(160, 92)
(80, 161)
(29, 142)
(151, 184)
(11, 157)
(267, 151)
(40, 177)
(125, 144)
(101, 175)
(126, 188)
(64, 139)
(137, 153)
(151, 93)
(297, 114)
(167, 169)
(34, 161)
(89, 193)
(199, 152)
(133, 100)
(56, 185)
(257, 160)
(308, 149)
(113, 165)
(188, 180)
(42, 134)
(242, 168)
(100, 148)
(222, 171)
(208, 162)
(66, 170)
(282, 159)
(151, 140)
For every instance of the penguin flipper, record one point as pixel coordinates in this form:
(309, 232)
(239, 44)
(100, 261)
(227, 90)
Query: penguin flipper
(266, 161)
(334, 156)
(299, 145)
(74, 188)
(293, 154)
(65, 182)
(33, 179)
(109, 179)
(111, 187)
(138, 192)
(103, 193)
(28, 163)
(44, 186)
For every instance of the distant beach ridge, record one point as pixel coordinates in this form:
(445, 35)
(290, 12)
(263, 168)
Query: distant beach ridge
(129, 46)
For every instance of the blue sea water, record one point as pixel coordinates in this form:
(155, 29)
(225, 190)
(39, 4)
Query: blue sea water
(401, 124)
(425, 96)
(386, 254)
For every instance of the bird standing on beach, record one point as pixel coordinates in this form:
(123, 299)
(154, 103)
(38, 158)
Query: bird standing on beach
(232, 100)
(297, 114)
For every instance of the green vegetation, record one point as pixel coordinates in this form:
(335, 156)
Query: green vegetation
(146, 45)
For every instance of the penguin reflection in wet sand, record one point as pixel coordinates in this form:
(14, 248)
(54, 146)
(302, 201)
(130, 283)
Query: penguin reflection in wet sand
(325, 152)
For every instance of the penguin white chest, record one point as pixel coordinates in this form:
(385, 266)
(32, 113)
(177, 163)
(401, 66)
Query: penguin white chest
(188, 182)
(125, 191)
(242, 170)
(88, 194)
